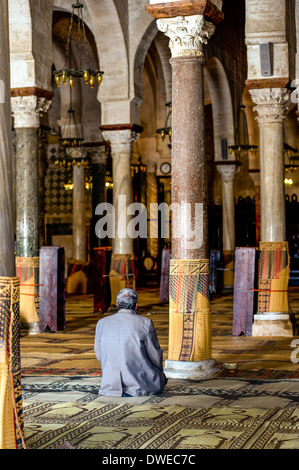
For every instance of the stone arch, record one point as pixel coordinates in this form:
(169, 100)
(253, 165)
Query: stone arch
(112, 50)
(140, 56)
(222, 108)
(152, 69)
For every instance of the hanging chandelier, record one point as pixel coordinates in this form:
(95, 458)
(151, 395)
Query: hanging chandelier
(71, 135)
(72, 142)
(242, 146)
(167, 129)
(68, 72)
(69, 186)
(68, 162)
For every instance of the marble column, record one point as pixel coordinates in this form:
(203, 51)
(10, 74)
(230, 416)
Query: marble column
(7, 268)
(27, 110)
(11, 408)
(190, 332)
(255, 176)
(152, 215)
(122, 270)
(98, 156)
(270, 108)
(121, 138)
(228, 170)
(79, 206)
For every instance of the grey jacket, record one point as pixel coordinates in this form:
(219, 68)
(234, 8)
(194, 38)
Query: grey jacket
(127, 347)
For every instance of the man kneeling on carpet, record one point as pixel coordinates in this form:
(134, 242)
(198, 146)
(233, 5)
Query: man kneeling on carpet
(128, 349)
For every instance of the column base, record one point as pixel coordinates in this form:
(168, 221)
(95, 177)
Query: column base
(30, 328)
(272, 324)
(190, 370)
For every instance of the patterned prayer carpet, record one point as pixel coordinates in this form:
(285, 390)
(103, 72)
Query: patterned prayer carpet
(233, 393)
(255, 407)
(125, 426)
(70, 352)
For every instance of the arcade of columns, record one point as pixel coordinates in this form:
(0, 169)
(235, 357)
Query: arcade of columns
(188, 26)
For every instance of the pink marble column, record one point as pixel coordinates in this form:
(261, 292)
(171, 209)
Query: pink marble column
(189, 183)
(189, 354)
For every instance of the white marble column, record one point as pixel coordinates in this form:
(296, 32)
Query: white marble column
(271, 107)
(121, 153)
(228, 170)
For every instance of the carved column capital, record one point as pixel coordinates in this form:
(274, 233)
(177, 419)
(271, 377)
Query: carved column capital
(120, 140)
(98, 153)
(187, 34)
(75, 153)
(271, 104)
(27, 110)
(228, 171)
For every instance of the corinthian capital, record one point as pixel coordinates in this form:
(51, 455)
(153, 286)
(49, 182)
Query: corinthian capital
(187, 34)
(120, 140)
(27, 110)
(271, 104)
(228, 171)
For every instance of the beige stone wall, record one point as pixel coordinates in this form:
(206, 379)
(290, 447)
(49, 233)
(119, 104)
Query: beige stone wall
(30, 23)
(266, 22)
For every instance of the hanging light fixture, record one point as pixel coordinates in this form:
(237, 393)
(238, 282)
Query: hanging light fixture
(242, 146)
(291, 163)
(167, 129)
(72, 146)
(68, 72)
(291, 160)
(72, 141)
(139, 167)
(69, 186)
(72, 137)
